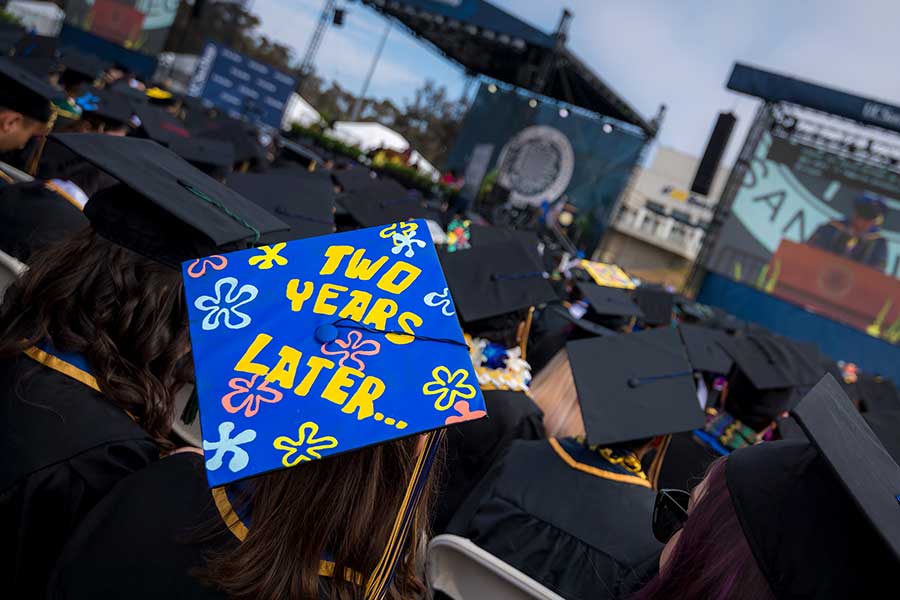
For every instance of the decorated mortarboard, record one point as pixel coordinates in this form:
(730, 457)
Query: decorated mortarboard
(25, 92)
(704, 349)
(383, 201)
(204, 153)
(609, 301)
(822, 517)
(306, 203)
(656, 303)
(694, 310)
(324, 345)
(163, 208)
(607, 275)
(106, 105)
(634, 386)
(494, 280)
(161, 97)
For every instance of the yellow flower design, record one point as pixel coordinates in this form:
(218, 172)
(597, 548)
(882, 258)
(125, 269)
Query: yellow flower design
(448, 387)
(306, 447)
(270, 257)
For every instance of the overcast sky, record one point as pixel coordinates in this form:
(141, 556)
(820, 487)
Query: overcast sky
(650, 51)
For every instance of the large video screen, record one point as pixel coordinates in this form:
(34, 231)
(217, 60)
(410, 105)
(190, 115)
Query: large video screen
(820, 230)
(140, 25)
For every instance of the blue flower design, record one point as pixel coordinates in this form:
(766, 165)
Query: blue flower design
(223, 307)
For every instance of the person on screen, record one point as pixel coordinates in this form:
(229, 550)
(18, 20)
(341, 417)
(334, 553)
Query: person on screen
(859, 237)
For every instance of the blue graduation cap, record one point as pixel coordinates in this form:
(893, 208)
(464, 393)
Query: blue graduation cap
(324, 345)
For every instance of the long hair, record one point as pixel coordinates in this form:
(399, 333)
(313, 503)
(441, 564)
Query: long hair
(553, 390)
(124, 313)
(712, 558)
(342, 507)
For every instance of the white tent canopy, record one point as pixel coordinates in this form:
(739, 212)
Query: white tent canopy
(299, 111)
(369, 136)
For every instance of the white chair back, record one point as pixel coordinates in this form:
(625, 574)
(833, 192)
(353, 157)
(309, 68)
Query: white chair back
(458, 568)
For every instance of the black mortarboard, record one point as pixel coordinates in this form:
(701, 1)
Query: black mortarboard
(164, 208)
(299, 153)
(875, 393)
(81, 66)
(822, 517)
(704, 349)
(484, 235)
(42, 66)
(246, 143)
(34, 45)
(607, 301)
(495, 280)
(106, 105)
(634, 386)
(25, 92)
(204, 153)
(354, 178)
(306, 204)
(382, 202)
(656, 303)
(158, 125)
(886, 426)
(693, 310)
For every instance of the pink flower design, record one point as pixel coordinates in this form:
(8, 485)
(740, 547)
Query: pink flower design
(462, 407)
(216, 262)
(254, 395)
(352, 348)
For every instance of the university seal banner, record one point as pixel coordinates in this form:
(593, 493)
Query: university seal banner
(324, 345)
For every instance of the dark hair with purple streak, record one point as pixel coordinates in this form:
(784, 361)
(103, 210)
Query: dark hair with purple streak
(712, 558)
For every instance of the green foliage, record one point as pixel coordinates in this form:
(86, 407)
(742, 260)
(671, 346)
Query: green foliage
(6, 17)
(329, 143)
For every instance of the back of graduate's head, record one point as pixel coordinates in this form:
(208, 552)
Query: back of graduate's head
(342, 509)
(709, 557)
(123, 312)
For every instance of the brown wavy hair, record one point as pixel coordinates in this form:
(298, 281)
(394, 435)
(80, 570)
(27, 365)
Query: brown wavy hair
(123, 312)
(342, 507)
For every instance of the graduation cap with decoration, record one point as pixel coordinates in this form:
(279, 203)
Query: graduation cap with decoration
(157, 124)
(326, 345)
(106, 106)
(770, 374)
(25, 92)
(303, 201)
(163, 208)
(822, 517)
(635, 386)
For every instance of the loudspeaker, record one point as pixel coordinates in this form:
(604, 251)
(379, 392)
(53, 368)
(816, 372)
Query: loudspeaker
(715, 148)
(338, 17)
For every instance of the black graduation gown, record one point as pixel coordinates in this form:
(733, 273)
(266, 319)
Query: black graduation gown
(64, 447)
(34, 216)
(474, 446)
(685, 463)
(144, 539)
(567, 518)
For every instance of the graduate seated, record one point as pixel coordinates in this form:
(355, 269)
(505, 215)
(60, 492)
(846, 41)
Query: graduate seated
(810, 518)
(26, 108)
(320, 429)
(574, 513)
(94, 343)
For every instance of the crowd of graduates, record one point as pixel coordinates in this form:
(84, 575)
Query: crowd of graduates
(637, 444)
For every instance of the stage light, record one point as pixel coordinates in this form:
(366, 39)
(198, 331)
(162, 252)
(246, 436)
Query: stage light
(492, 88)
(563, 112)
(607, 128)
(532, 103)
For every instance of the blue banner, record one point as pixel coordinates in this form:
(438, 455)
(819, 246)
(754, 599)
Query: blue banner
(324, 345)
(773, 87)
(241, 86)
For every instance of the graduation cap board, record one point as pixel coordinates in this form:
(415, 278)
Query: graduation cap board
(203, 152)
(322, 346)
(607, 275)
(821, 517)
(610, 301)
(656, 303)
(158, 125)
(634, 386)
(106, 105)
(489, 281)
(704, 348)
(771, 362)
(164, 208)
(381, 202)
(25, 92)
(306, 203)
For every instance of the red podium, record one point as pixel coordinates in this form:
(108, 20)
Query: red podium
(836, 287)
